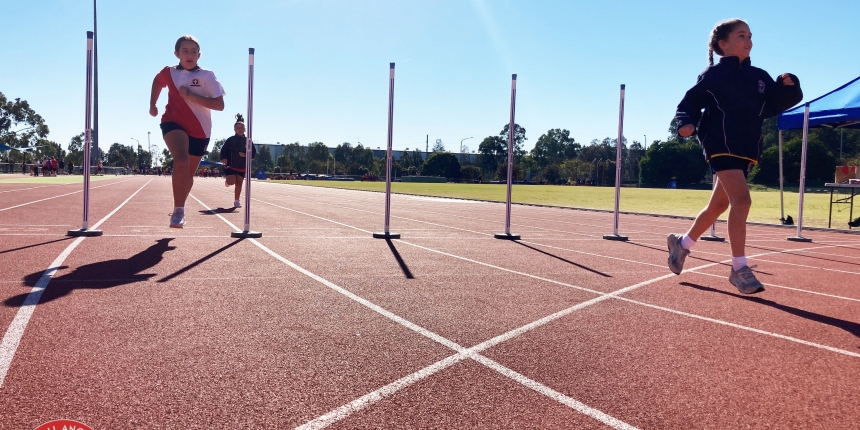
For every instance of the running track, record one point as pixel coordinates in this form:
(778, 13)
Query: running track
(318, 325)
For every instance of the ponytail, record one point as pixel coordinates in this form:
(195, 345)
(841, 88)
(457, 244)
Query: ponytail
(720, 32)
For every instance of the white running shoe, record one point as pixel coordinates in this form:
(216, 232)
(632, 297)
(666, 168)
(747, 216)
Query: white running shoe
(177, 218)
(237, 204)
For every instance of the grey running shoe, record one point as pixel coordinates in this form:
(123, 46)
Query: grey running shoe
(745, 281)
(677, 253)
(237, 204)
(177, 219)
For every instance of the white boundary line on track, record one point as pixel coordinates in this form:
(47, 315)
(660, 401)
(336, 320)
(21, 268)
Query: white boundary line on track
(462, 353)
(61, 195)
(31, 188)
(769, 252)
(383, 392)
(15, 332)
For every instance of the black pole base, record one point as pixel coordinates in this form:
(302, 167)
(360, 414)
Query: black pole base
(713, 238)
(246, 234)
(84, 233)
(506, 236)
(386, 235)
(615, 237)
(798, 239)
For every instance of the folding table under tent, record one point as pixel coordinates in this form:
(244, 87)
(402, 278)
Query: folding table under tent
(839, 108)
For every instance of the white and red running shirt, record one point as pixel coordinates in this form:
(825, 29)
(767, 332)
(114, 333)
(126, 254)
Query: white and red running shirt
(195, 119)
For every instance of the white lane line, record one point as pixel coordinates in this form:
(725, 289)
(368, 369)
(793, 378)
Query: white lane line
(32, 188)
(624, 290)
(742, 327)
(15, 332)
(462, 353)
(61, 195)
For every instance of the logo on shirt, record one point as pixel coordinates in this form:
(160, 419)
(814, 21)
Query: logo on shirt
(196, 83)
(761, 86)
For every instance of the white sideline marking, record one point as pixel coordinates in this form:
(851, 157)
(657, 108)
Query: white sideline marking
(462, 353)
(61, 195)
(738, 326)
(15, 332)
(32, 188)
(588, 303)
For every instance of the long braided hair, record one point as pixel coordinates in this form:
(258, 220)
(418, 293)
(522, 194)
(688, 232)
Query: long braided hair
(721, 32)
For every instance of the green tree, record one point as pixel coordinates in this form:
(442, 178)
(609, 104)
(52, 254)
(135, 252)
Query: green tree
(343, 153)
(263, 160)
(438, 146)
(470, 172)
(673, 160)
(554, 147)
(214, 155)
(442, 164)
(20, 125)
(820, 163)
(317, 151)
(502, 172)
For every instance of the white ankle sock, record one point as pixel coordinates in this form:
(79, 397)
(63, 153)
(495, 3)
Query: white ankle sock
(687, 243)
(738, 263)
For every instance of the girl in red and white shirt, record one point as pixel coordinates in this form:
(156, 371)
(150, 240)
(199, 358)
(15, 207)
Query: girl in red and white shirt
(192, 93)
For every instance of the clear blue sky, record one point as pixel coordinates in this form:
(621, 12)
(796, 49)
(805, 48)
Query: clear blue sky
(322, 66)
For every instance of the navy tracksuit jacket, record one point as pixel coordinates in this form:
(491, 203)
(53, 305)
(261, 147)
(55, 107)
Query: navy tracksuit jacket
(736, 98)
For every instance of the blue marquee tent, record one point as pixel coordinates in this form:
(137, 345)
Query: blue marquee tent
(838, 108)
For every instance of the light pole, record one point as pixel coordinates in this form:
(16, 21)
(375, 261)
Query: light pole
(646, 140)
(138, 150)
(149, 145)
(461, 147)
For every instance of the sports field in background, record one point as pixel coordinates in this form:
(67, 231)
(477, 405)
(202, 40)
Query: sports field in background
(49, 180)
(765, 206)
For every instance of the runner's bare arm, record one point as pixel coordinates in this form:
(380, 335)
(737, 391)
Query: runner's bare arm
(153, 97)
(214, 103)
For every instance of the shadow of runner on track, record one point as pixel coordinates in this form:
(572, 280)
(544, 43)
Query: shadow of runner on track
(399, 259)
(849, 326)
(605, 275)
(218, 211)
(100, 275)
(35, 245)
(200, 261)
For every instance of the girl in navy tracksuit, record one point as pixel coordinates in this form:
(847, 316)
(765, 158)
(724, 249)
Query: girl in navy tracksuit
(736, 98)
(233, 157)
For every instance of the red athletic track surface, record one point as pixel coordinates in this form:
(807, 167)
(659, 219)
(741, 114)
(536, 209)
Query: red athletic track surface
(318, 323)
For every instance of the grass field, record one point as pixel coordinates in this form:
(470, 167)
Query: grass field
(765, 206)
(56, 180)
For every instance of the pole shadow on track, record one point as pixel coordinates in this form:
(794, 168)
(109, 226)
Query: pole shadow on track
(217, 211)
(849, 326)
(199, 262)
(35, 245)
(605, 275)
(100, 275)
(399, 259)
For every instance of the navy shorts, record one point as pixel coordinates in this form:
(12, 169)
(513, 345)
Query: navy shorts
(196, 146)
(727, 162)
(230, 171)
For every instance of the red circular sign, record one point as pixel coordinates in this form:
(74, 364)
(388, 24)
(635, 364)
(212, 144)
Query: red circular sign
(63, 425)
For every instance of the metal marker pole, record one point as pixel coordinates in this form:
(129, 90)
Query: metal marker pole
(713, 236)
(249, 151)
(85, 225)
(615, 235)
(799, 237)
(511, 133)
(387, 234)
(781, 180)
